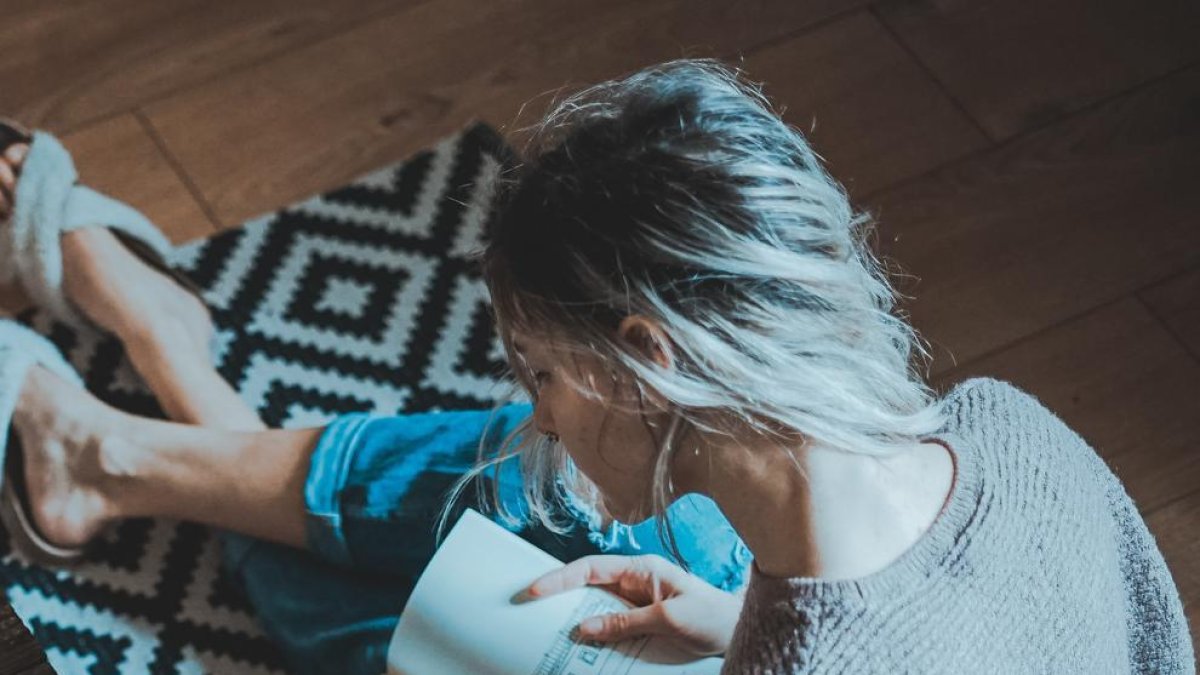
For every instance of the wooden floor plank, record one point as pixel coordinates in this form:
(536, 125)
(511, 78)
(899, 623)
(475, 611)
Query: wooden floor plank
(67, 63)
(1177, 303)
(1174, 529)
(1121, 382)
(1044, 228)
(1028, 254)
(119, 158)
(871, 111)
(1017, 65)
(317, 117)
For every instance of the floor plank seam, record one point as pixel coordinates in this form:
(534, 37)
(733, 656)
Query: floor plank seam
(1001, 145)
(1170, 278)
(1187, 349)
(937, 81)
(983, 356)
(1109, 98)
(1170, 502)
(179, 170)
(795, 33)
(239, 67)
(90, 123)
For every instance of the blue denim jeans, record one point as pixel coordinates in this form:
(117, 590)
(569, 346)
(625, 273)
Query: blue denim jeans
(374, 489)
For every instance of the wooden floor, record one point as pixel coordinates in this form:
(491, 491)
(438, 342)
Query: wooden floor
(1035, 166)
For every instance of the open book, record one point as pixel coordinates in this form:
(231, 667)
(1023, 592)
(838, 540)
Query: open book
(464, 617)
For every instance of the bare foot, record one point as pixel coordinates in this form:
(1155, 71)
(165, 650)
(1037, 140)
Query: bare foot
(116, 289)
(10, 168)
(122, 294)
(166, 330)
(71, 444)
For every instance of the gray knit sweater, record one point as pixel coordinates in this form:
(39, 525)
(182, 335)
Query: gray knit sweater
(1040, 563)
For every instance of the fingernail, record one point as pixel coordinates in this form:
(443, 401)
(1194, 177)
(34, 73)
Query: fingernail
(591, 626)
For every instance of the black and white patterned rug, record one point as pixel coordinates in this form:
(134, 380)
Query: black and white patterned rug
(359, 299)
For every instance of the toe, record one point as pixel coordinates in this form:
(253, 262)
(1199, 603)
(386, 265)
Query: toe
(8, 178)
(15, 154)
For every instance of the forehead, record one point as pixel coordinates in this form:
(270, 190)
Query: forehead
(524, 342)
(536, 348)
(519, 346)
(524, 346)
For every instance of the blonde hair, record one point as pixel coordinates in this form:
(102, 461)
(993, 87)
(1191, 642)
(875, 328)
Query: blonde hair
(677, 193)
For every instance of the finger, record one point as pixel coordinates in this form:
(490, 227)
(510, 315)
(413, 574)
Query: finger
(650, 620)
(592, 570)
(649, 577)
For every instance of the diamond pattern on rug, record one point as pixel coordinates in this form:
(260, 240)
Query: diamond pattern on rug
(360, 299)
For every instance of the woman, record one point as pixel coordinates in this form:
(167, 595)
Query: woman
(688, 299)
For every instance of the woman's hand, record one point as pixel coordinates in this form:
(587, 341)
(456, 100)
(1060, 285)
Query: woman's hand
(668, 601)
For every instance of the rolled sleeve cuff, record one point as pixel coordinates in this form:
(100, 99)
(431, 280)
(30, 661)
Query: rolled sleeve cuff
(329, 468)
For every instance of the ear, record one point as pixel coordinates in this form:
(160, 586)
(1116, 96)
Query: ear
(647, 337)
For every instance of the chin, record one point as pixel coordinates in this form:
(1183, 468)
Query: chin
(626, 515)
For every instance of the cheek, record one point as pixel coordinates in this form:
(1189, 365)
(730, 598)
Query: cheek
(611, 446)
(615, 453)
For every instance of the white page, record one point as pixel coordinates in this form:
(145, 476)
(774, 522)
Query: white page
(462, 617)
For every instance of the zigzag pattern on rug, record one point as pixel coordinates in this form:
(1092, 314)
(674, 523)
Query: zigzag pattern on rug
(360, 299)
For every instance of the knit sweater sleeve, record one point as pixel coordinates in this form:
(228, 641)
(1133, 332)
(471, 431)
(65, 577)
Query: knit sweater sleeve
(1159, 639)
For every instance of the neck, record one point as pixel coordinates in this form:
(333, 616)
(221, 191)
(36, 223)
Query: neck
(852, 516)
